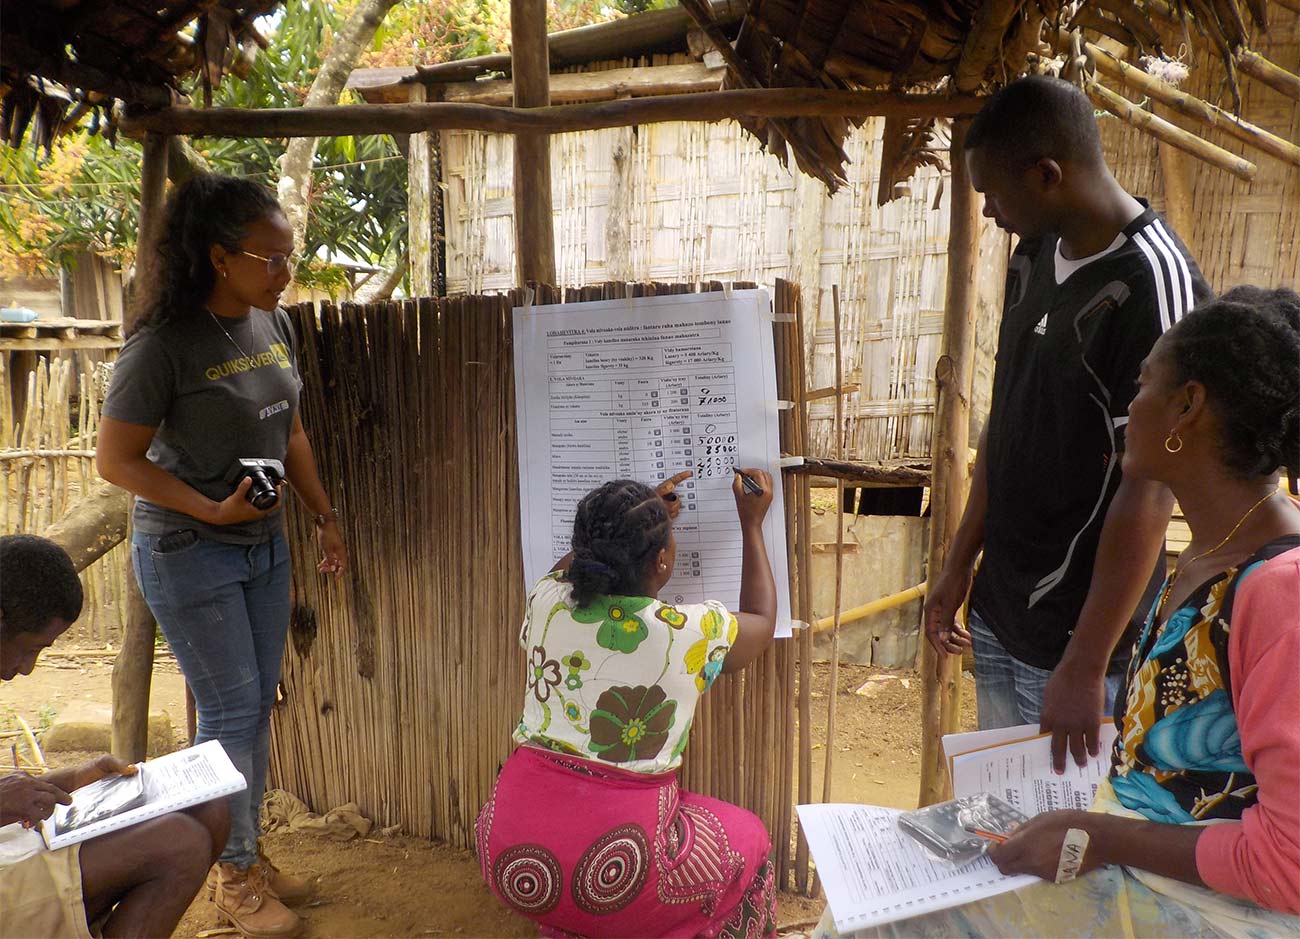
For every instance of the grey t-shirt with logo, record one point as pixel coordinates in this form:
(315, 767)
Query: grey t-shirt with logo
(215, 398)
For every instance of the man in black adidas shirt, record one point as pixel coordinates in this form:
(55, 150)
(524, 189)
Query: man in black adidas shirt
(1070, 546)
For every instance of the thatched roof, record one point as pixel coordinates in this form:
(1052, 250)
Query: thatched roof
(965, 45)
(60, 59)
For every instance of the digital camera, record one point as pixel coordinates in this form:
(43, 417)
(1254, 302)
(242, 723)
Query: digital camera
(266, 476)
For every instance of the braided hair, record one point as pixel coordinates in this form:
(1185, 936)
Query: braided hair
(207, 209)
(618, 529)
(1244, 347)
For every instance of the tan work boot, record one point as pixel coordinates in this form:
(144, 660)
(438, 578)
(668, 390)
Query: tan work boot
(289, 888)
(245, 899)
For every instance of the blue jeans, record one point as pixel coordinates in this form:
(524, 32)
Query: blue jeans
(225, 612)
(1007, 691)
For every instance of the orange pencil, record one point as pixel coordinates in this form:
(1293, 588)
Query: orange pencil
(991, 836)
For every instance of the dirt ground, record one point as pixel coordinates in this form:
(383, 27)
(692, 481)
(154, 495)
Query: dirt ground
(408, 887)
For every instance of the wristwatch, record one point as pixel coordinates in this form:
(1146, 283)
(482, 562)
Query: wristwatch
(322, 520)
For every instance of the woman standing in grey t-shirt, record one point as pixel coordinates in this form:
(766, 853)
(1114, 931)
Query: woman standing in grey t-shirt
(200, 423)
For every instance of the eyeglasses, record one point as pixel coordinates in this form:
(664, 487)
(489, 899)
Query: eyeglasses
(276, 263)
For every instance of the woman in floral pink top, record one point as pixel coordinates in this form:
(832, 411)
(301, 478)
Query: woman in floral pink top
(587, 832)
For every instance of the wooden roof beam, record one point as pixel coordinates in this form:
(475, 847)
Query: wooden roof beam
(1158, 127)
(344, 120)
(1271, 74)
(1183, 103)
(992, 20)
(605, 85)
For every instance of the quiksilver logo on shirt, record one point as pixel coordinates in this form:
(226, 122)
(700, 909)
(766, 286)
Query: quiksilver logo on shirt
(276, 354)
(273, 409)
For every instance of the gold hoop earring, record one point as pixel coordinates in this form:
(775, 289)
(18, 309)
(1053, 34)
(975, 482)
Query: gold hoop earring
(1171, 440)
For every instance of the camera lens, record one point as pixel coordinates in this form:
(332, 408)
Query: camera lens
(262, 492)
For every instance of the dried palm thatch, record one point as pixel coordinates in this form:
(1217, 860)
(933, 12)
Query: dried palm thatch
(63, 60)
(962, 45)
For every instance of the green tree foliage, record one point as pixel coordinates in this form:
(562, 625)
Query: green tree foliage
(85, 196)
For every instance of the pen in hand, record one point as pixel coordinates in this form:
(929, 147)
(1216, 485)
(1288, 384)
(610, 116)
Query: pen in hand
(750, 485)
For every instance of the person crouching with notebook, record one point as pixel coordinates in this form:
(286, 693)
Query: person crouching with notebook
(136, 881)
(586, 831)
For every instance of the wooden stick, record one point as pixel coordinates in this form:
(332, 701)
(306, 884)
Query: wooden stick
(832, 694)
(953, 376)
(608, 85)
(342, 120)
(1186, 104)
(848, 388)
(1130, 113)
(1271, 74)
(860, 473)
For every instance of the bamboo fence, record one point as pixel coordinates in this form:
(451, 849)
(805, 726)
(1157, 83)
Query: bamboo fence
(47, 459)
(404, 681)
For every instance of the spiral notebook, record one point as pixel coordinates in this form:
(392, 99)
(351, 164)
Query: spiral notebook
(170, 783)
(874, 874)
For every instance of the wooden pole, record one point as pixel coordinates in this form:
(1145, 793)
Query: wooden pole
(833, 679)
(1176, 177)
(1162, 130)
(133, 667)
(345, 119)
(1271, 74)
(940, 680)
(422, 191)
(531, 75)
(93, 526)
(1185, 104)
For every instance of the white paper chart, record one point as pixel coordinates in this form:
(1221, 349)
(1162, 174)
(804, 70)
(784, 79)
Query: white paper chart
(644, 388)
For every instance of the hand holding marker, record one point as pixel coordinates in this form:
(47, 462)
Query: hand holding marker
(751, 486)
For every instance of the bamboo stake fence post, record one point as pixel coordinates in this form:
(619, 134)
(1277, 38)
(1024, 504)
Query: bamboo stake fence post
(531, 74)
(832, 692)
(133, 667)
(803, 540)
(940, 679)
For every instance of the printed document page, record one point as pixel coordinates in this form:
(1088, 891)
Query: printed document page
(1020, 773)
(644, 388)
(874, 873)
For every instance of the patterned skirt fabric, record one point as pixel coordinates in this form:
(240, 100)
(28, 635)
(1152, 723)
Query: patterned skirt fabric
(589, 850)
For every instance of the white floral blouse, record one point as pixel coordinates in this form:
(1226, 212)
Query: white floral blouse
(618, 681)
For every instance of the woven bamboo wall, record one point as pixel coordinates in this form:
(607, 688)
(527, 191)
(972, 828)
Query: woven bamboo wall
(404, 680)
(1242, 233)
(699, 202)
